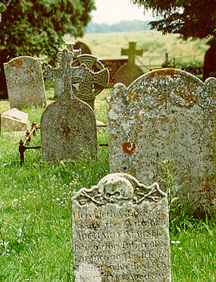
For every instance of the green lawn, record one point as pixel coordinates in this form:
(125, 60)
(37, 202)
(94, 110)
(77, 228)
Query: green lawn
(35, 199)
(35, 216)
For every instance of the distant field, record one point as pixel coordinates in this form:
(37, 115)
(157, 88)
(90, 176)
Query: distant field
(155, 45)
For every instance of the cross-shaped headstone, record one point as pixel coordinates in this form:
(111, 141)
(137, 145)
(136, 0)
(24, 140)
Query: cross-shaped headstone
(131, 52)
(82, 75)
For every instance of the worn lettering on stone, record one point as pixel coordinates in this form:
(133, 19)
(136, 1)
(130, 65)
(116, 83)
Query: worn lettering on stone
(120, 231)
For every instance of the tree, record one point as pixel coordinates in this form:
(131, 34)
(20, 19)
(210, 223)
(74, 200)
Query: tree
(37, 27)
(189, 18)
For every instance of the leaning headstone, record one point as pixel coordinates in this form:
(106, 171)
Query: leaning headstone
(84, 73)
(68, 128)
(25, 83)
(14, 120)
(120, 231)
(130, 71)
(165, 118)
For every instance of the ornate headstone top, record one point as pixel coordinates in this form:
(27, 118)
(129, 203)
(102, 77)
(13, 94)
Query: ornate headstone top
(119, 188)
(84, 73)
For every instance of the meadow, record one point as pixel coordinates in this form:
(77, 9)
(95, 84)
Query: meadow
(154, 44)
(35, 201)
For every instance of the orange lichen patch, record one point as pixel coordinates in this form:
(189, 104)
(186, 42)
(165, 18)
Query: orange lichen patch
(131, 96)
(162, 71)
(18, 63)
(128, 148)
(190, 99)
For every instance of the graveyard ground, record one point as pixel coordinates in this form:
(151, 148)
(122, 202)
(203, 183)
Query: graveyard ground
(35, 215)
(35, 202)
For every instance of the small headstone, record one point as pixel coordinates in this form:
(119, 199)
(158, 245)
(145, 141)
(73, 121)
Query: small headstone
(165, 116)
(25, 83)
(14, 120)
(130, 71)
(68, 128)
(120, 231)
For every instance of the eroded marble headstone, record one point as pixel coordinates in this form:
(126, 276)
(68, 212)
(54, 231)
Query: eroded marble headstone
(25, 83)
(68, 128)
(165, 117)
(120, 231)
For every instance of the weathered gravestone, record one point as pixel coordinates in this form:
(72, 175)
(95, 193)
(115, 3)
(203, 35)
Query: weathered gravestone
(130, 71)
(166, 117)
(120, 231)
(25, 83)
(89, 82)
(68, 128)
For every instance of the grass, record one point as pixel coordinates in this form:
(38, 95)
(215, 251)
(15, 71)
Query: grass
(35, 201)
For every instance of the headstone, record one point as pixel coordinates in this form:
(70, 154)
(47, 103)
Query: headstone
(89, 83)
(165, 116)
(68, 127)
(25, 83)
(14, 120)
(120, 231)
(130, 71)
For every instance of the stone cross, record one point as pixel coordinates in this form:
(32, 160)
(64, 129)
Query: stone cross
(120, 231)
(131, 52)
(82, 75)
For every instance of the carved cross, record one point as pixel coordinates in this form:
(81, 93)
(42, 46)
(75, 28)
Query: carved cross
(131, 52)
(82, 75)
(87, 80)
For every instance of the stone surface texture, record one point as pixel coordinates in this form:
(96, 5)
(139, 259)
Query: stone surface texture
(120, 231)
(68, 128)
(25, 83)
(165, 117)
(14, 120)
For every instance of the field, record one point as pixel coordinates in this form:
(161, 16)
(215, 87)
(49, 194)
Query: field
(35, 201)
(154, 44)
